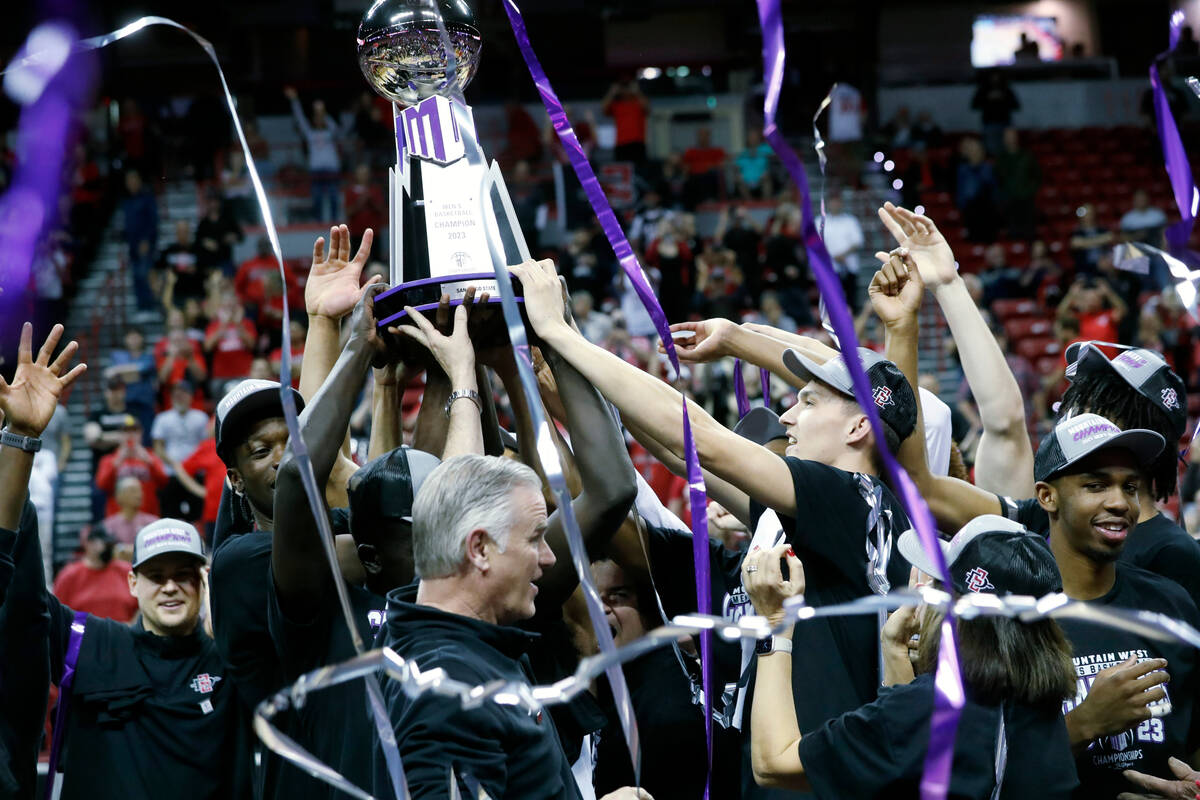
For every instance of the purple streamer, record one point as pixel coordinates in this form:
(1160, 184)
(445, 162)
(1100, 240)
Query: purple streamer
(637, 278)
(948, 698)
(739, 388)
(1183, 186)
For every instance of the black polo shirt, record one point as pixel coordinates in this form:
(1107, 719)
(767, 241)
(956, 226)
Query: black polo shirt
(878, 751)
(512, 754)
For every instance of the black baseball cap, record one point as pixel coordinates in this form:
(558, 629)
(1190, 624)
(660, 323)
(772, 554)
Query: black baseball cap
(247, 403)
(760, 425)
(993, 555)
(893, 396)
(1145, 370)
(384, 487)
(1075, 438)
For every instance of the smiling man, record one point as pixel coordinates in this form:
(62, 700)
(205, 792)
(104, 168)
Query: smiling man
(1129, 712)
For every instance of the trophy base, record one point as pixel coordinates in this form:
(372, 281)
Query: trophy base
(486, 325)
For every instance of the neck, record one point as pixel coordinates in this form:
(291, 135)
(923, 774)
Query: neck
(1083, 578)
(1149, 511)
(92, 562)
(263, 521)
(157, 631)
(854, 461)
(452, 595)
(130, 513)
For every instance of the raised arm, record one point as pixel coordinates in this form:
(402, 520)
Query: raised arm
(761, 345)
(650, 403)
(605, 472)
(301, 572)
(895, 294)
(1004, 458)
(298, 112)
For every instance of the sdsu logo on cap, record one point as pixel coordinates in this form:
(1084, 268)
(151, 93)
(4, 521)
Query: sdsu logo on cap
(883, 397)
(1170, 398)
(977, 580)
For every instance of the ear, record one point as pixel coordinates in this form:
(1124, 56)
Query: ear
(131, 576)
(859, 430)
(477, 544)
(1047, 497)
(235, 480)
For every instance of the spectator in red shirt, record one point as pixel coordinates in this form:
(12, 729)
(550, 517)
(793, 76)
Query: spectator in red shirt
(97, 583)
(703, 163)
(629, 109)
(180, 359)
(205, 462)
(130, 518)
(248, 282)
(1098, 308)
(132, 458)
(299, 332)
(229, 341)
(365, 207)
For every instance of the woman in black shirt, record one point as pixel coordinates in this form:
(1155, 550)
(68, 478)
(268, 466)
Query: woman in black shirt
(1011, 741)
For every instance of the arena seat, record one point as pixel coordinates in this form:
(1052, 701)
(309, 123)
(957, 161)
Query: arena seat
(1011, 308)
(1034, 347)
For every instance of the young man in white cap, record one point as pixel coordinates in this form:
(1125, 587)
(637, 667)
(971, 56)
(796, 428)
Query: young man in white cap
(150, 713)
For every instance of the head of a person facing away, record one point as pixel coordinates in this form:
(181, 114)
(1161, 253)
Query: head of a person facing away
(381, 508)
(1134, 389)
(1089, 475)
(479, 538)
(826, 424)
(129, 495)
(1002, 659)
(166, 577)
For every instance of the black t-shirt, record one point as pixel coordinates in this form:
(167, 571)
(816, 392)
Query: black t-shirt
(1157, 545)
(150, 716)
(335, 721)
(181, 260)
(1147, 746)
(879, 750)
(109, 422)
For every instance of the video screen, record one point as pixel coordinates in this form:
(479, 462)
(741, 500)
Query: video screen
(996, 39)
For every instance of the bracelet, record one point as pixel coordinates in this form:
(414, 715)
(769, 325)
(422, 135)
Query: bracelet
(30, 444)
(470, 394)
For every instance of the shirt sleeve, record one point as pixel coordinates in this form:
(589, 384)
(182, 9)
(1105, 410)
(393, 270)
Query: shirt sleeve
(865, 750)
(1027, 512)
(299, 643)
(1179, 560)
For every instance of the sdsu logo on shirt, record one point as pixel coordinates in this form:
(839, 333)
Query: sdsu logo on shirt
(204, 683)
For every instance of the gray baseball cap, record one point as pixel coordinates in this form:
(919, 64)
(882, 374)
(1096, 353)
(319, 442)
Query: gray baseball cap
(1144, 370)
(166, 536)
(893, 396)
(1075, 438)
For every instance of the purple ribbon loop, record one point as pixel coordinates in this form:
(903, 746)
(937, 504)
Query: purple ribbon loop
(1179, 171)
(637, 278)
(948, 698)
(739, 388)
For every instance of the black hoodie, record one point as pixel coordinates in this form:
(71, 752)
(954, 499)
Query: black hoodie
(512, 754)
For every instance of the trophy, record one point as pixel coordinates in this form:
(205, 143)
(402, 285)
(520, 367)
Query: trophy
(451, 220)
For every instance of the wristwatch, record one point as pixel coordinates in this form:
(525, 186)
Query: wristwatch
(30, 444)
(772, 644)
(470, 394)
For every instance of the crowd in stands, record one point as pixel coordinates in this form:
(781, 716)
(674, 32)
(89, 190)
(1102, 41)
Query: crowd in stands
(1040, 273)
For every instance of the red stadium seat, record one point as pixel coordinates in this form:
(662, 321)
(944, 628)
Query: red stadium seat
(1045, 365)
(1036, 346)
(1020, 328)
(1009, 308)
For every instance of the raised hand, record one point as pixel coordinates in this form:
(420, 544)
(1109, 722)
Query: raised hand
(1183, 788)
(1119, 699)
(542, 292)
(763, 580)
(896, 290)
(709, 340)
(924, 242)
(362, 325)
(28, 403)
(454, 353)
(333, 280)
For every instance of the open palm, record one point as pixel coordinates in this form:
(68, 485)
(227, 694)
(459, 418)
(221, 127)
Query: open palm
(29, 401)
(925, 244)
(333, 288)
